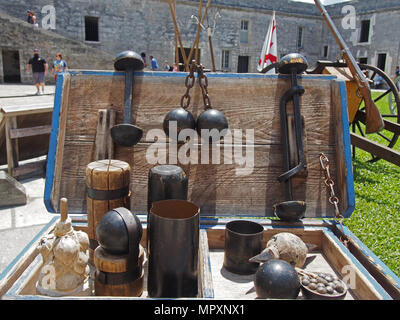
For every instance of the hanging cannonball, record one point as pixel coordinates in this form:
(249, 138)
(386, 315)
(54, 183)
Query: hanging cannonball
(212, 119)
(112, 232)
(276, 279)
(184, 120)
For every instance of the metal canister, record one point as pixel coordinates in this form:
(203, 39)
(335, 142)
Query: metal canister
(166, 182)
(243, 240)
(173, 245)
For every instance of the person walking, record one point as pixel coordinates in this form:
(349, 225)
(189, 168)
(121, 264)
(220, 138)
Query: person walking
(154, 63)
(59, 66)
(39, 68)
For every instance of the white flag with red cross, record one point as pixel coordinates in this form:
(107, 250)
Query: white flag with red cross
(269, 52)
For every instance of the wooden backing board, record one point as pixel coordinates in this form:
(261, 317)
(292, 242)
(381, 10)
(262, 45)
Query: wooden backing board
(248, 101)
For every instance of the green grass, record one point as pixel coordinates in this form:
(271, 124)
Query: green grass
(376, 218)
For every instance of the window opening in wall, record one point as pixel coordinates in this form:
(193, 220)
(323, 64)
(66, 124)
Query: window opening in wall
(300, 33)
(363, 60)
(326, 51)
(225, 59)
(244, 31)
(91, 28)
(381, 61)
(364, 34)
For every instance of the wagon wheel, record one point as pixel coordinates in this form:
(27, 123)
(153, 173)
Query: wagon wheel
(388, 100)
(392, 103)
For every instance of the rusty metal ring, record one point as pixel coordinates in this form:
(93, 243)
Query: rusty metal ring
(183, 105)
(323, 158)
(207, 102)
(329, 182)
(192, 78)
(333, 200)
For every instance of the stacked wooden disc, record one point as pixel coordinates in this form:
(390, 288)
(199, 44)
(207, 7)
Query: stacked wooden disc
(108, 188)
(111, 278)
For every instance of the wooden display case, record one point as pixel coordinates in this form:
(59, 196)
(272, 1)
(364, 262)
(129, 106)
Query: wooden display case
(223, 191)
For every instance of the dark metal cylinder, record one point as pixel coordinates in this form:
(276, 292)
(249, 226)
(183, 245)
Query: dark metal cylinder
(166, 182)
(173, 245)
(243, 240)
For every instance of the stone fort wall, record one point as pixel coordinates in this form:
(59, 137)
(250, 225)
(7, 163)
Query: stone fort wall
(146, 26)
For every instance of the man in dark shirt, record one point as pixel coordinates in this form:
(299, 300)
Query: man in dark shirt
(39, 70)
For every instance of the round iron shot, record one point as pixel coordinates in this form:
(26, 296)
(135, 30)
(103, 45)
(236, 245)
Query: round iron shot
(276, 279)
(112, 231)
(293, 63)
(183, 120)
(243, 240)
(215, 122)
(290, 210)
(126, 134)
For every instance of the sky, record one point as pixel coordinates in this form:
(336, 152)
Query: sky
(324, 2)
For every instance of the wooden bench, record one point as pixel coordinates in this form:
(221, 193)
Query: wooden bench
(30, 115)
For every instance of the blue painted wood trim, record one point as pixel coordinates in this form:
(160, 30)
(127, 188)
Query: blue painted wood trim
(373, 258)
(209, 75)
(51, 157)
(372, 281)
(347, 151)
(27, 247)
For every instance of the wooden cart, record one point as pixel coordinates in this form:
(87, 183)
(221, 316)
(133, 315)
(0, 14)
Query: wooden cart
(249, 101)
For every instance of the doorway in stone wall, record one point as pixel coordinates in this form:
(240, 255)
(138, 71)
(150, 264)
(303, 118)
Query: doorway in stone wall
(180, 58)
(11, 67)
(243, 64)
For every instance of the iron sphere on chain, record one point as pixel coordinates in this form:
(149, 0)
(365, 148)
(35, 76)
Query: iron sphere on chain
(212, 120)
(183, 118)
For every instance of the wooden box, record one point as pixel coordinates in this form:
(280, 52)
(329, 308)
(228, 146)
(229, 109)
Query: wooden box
(224, 193)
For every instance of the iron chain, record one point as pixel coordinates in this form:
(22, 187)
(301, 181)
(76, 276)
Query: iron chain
(333, 199)
(203, 82)
(189, 83)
